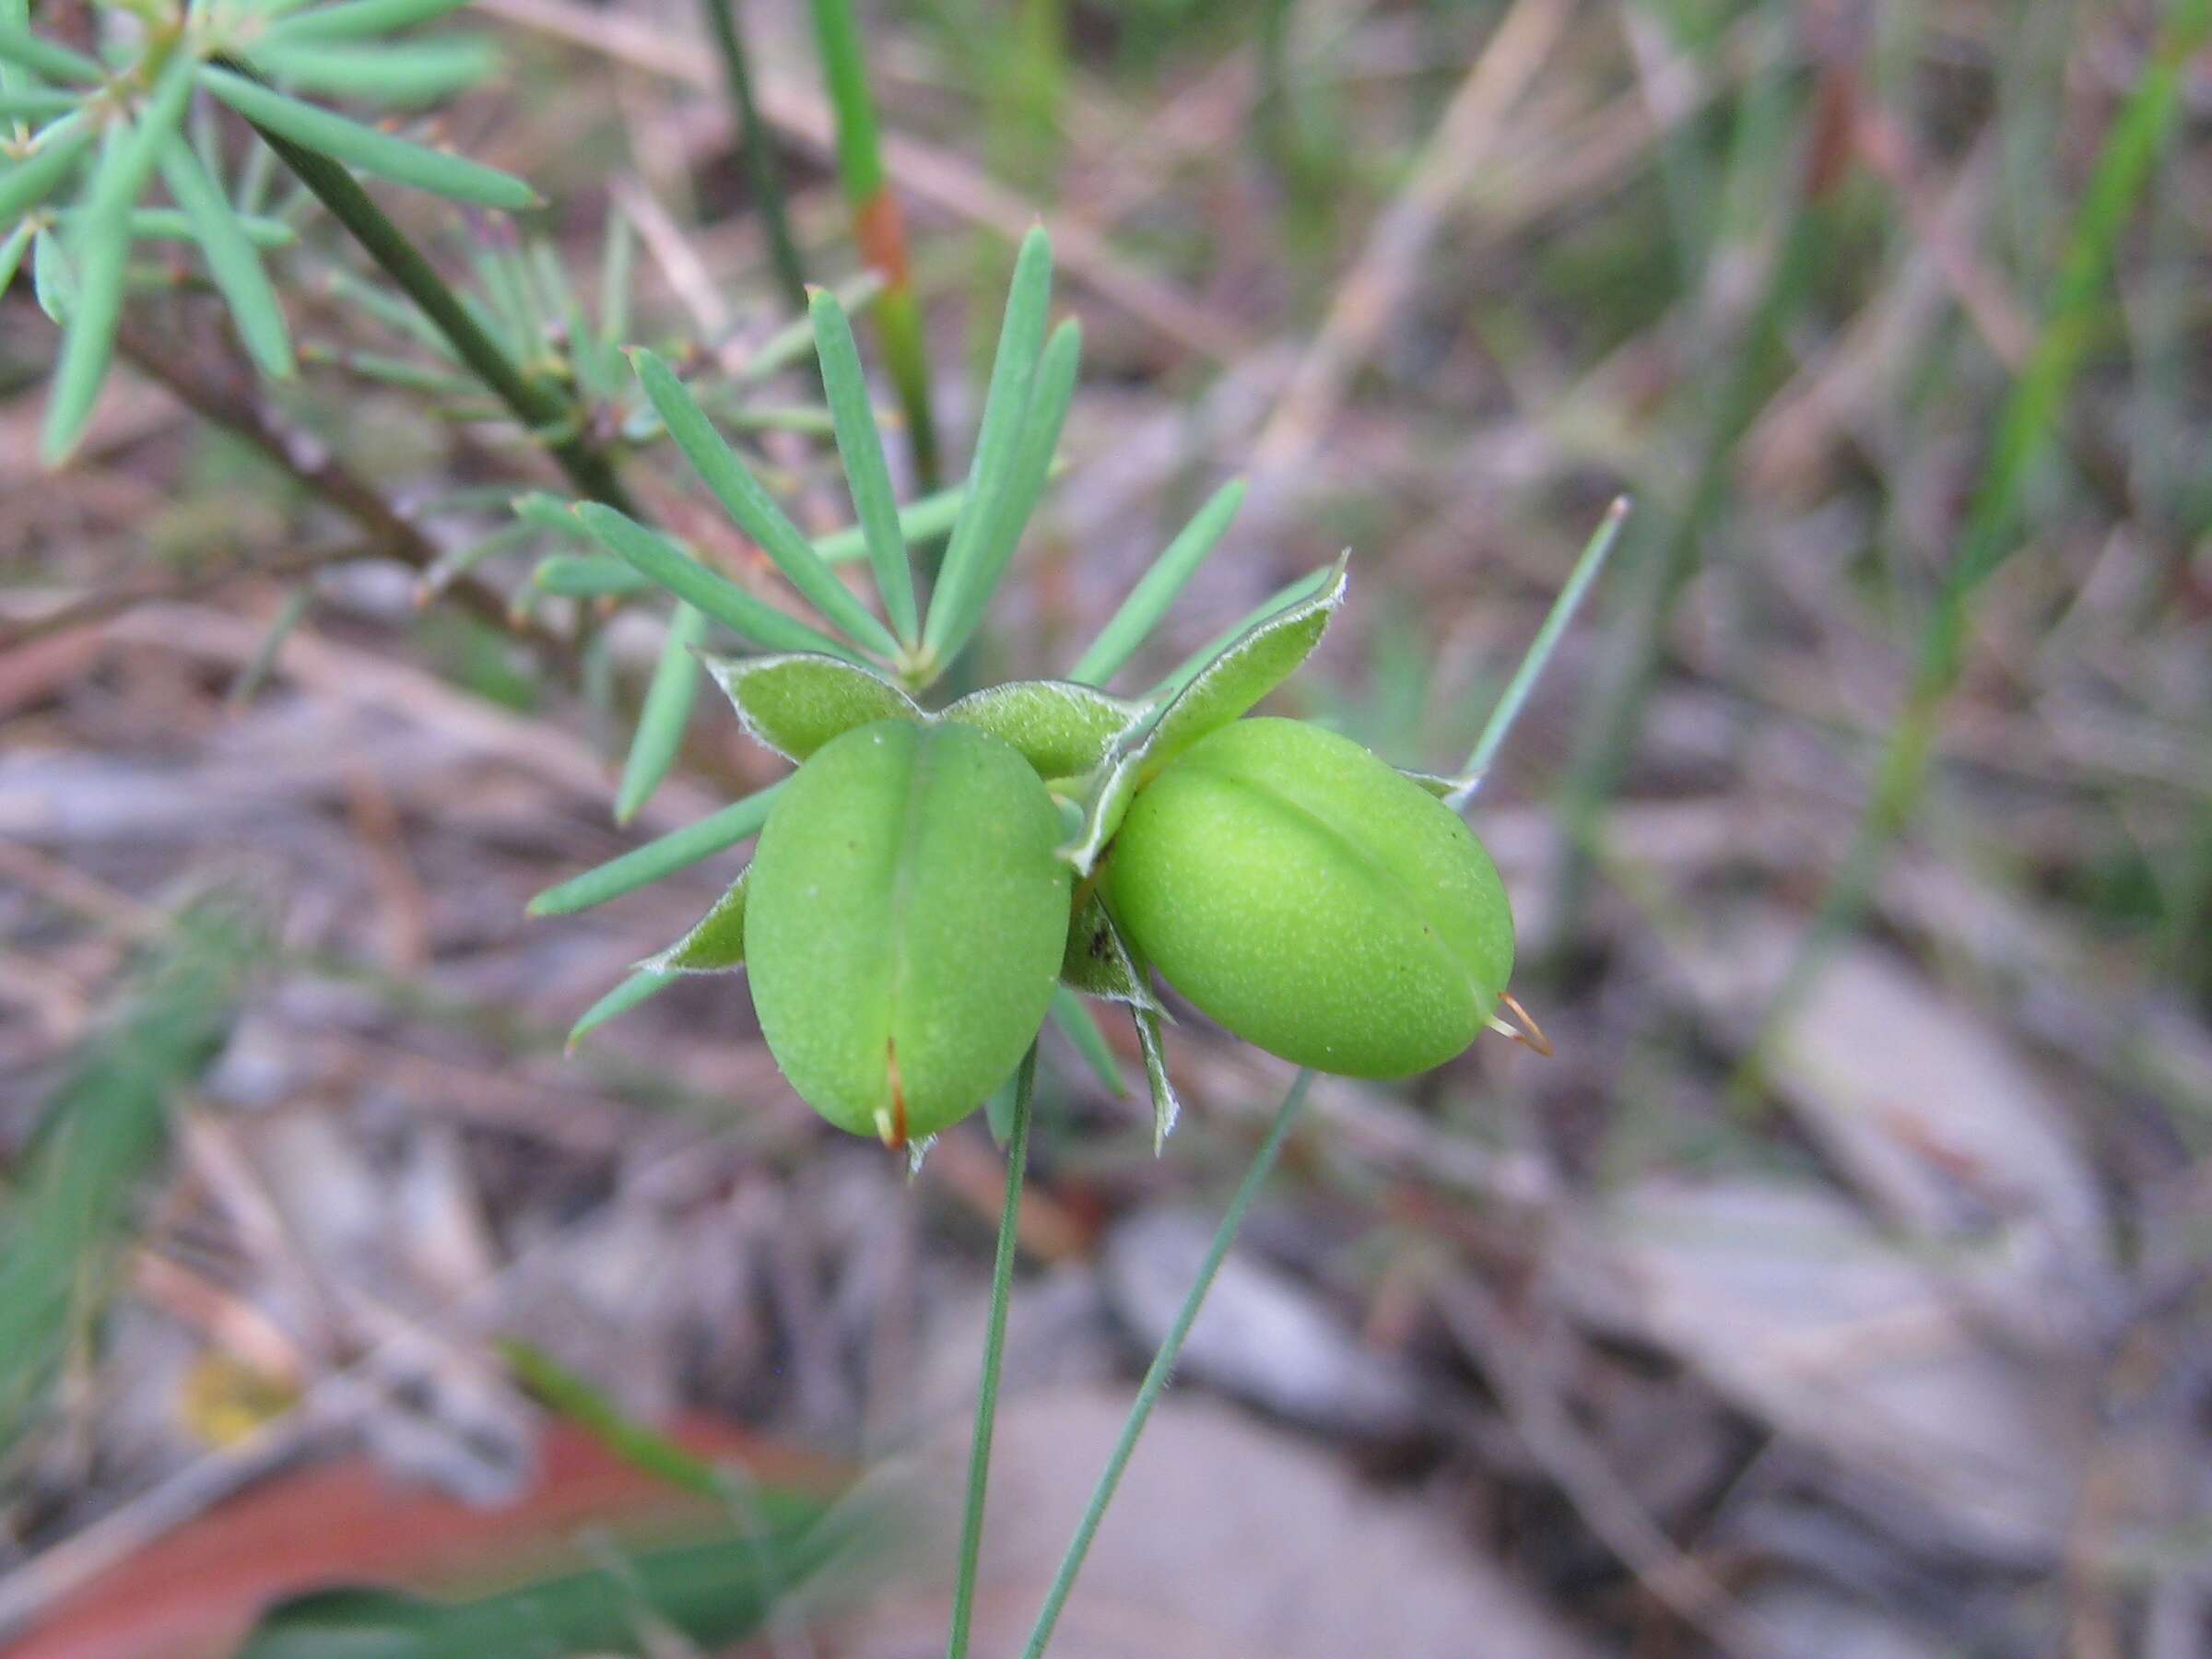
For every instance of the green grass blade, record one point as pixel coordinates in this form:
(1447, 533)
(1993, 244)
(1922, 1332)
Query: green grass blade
(758, 146)
(454, 177)
(1158, 589)
(102, 1131)
(664, 715)
(995, 1351)
(1163, 1365)
(1556, 622)
(1020, 341)
(19, 46)
(667, 565)
(877, 224)
(919, 522)
(752, 509)
(867, 474)
(231, 261)
(2026, 427)
(641, 987)
(32, 179)
(416, 72)
(642, 866)
(1054, 390)
(359, 19)
(638, 1444)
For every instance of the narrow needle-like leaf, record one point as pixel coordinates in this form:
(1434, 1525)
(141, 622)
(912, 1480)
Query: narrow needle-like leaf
(103, 258)
(754, 511)
(919, 522)
(32, 179)
(36, 103)
(231, 260)
(359, 19)
(656, 556)
(867, 474)
(414, 72)
(664, 715)
(454, 177)
(19, 46)
(1149, 600)
(643, 866)
(587, 577)
(1021, 340)
(1052, 388)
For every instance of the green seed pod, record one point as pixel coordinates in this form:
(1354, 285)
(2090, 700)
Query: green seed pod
(905, 921)
(1314, 901)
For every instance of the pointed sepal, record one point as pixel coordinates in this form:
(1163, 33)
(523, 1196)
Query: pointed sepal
(795, 702)
(1099, 961)
(1238, 677)
(1166, 1107)
(715, 945)
(1061, 729)
(1453, 792)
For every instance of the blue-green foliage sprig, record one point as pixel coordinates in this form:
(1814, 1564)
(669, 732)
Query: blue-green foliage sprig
(89, 140)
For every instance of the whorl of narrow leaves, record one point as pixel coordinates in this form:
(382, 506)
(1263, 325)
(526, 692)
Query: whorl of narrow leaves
(126, 117)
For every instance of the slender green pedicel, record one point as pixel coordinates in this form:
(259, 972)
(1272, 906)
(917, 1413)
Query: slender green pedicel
(904, 923)
(1313, 900)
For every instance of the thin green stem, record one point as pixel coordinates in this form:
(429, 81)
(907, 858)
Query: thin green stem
(995, 1354)
(542, 408)
(1163, 1364)
(760, 153)
(876, 225)
(1500, 725)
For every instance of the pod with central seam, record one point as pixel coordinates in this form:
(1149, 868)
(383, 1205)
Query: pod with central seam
(1312, 899)
(904, 924)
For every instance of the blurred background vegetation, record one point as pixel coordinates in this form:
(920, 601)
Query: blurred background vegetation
(1840, 1285)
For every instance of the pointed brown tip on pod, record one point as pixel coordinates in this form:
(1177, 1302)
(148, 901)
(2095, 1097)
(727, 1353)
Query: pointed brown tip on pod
(890, 1125)
(1523, 1028)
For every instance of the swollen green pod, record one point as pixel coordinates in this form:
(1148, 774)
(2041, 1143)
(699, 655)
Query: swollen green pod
(1313, 900)
(905, 921)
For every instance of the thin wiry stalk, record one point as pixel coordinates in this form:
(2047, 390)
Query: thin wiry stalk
(2024, 429)
(1500, 726)
(230, 400)
(760, 153)
(542, 409)
(1163, 1364)
(876, 225)
(994, 1353)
